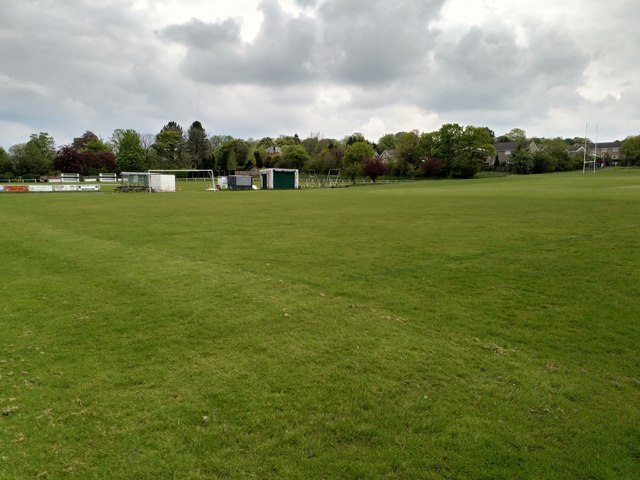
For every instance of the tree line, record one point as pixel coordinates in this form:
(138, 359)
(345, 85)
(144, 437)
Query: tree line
(452, 151)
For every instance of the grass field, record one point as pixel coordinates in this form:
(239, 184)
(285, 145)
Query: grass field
(486, 328)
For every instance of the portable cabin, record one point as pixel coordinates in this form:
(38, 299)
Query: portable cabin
(279, 178)
(239, 182)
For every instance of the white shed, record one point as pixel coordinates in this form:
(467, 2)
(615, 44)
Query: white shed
(279, 178)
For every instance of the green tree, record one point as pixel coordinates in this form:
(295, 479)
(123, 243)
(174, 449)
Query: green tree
(232, 161)
(351, 171)
(116, 139)
(89, 141)
(424, 149)
(231, 155)
(286, 140)
(630, 150)
(386, 142)
(464, 150)
(265, 142)
(259, 156)
(354, 157)
(6, 164)
(517, 135)
(131, 156)
(406, 153)
(446, 140)
(355, 137)
(216, 140)
(559, 158)
(543, 161)
(477, 143)
(35, 157)
(358, 152)
(197, 146)
(293, 156)
(312, 144)
(522, 162)
(325, 160)
(169, 146)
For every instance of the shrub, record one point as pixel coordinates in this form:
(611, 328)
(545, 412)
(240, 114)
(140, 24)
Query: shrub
(522, 161)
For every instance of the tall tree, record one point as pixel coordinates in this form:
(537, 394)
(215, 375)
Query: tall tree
(386, 142)
(354, 157)
(34, 157)
(517, 135)
(6, 164)
(354, 138)
(463, 149)
(312, 144)
(265, 142)
(198, 148)
(285, 140)
(131, 155)
(91, 142)
(406, 153)
(631, 150)
(293, 156)
(169, 146)
(231, 155)
(358, 152)
(446, 140)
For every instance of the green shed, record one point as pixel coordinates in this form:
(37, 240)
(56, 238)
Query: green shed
(279, 178)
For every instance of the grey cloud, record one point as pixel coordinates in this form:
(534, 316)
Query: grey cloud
(281, 54)
(70, 66)
(200, 35)
(345, 42)
(76, 65)
(377, 42)
(307, 3)
(487, 69)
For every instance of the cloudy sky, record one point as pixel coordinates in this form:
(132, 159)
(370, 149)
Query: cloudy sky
(333, 67)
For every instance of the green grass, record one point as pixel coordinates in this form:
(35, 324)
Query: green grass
(473, 329)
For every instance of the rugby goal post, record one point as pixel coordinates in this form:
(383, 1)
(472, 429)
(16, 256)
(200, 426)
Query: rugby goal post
(208, 174)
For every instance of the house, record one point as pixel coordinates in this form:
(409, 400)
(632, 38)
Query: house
(577, 149)
(273, 151)
(611, 151)
(505, 150)
(386, 156)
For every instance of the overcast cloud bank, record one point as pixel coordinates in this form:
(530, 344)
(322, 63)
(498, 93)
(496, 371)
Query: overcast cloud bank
(273, 67)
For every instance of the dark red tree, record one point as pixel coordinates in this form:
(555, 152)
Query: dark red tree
(87, 155)
(374, 167)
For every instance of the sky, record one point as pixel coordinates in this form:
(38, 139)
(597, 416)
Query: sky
(252, 69)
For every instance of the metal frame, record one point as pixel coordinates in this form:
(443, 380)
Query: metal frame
(333, 176)
(160, 170)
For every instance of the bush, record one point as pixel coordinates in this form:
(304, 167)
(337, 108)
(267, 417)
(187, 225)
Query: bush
(463, 166)
(522, 161)
(543, 162)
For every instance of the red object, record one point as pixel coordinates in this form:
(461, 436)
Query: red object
(16, 188)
